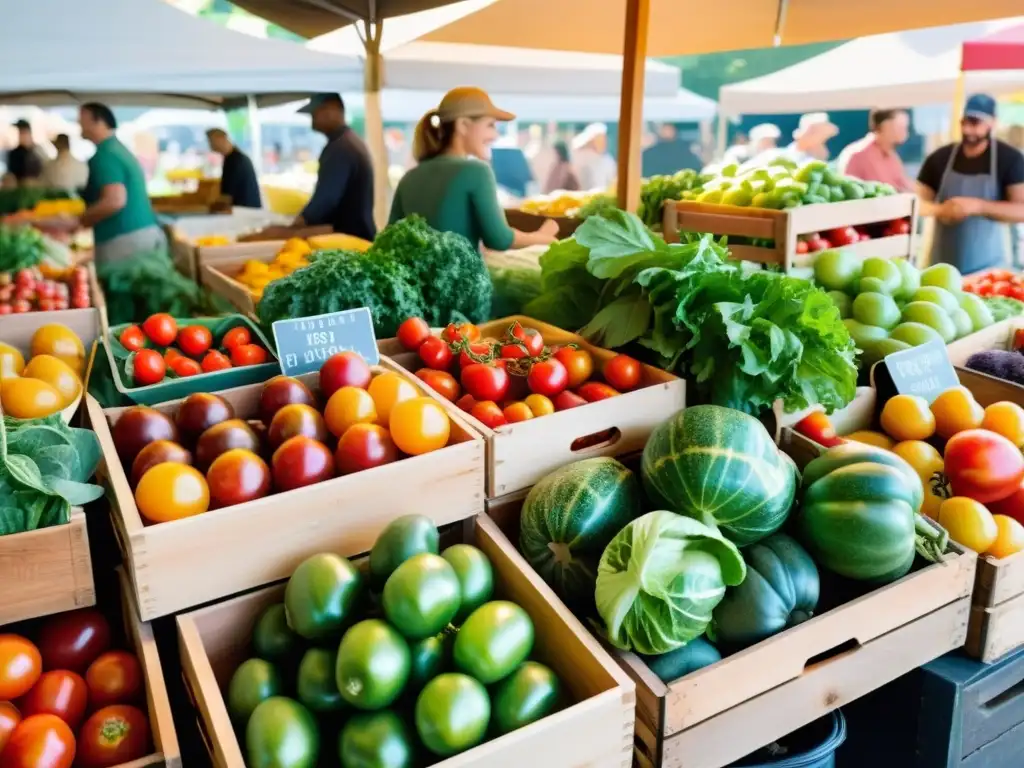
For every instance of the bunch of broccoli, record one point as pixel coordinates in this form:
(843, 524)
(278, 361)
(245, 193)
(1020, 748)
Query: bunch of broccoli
(410, 270)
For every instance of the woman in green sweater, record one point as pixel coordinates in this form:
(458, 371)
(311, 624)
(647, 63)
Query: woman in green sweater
(450, 187)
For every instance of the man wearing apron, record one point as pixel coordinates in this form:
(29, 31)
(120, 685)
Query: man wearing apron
(973, 189)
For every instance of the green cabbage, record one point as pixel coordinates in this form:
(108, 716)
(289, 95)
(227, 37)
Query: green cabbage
(659, 580)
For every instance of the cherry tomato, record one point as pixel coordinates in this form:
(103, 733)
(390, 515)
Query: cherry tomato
(113, 736)
(236, 337)
(548, 377)
(171, 491)
(58, 692)
(479, 349)
(74, 640)
(488, 413)
(531, 338)
(9, 719)
(248, 354)
(485, 382)
(540, 405)
(114, 678)
(20, 666)
(1001, 288)
(237, 476)
(514, 412)
(296, 419)
(434, 353)
(40, 741)
(215, 361)
(622, 372)
(132, 338)
(194, 340)
(466, 403)
(563, 401)
(413, 332)
(802, 246)
(441, 382)
(161, 329)
(301, 461)
(345, 369)
(364, 446)
(148, 367)
(592, 391)
(515, 351)
(185, 367)
(578, 363)
(347, 407)
(170, 355)
(456, 331)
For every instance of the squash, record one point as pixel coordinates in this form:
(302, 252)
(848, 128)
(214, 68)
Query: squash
(568, 519)
(696, 654)
(780, 591)
(718, 463)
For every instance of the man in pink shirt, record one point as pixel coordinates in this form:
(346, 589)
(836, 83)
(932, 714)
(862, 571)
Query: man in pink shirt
(874, 157)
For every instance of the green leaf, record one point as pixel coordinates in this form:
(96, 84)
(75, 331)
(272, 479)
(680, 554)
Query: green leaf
(624, 320)
(12, 520)
(87, 448)
(54, 511)
(25, 473)
(610, 237)
(74, 493)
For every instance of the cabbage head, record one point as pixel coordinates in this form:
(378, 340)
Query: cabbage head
(659, 580)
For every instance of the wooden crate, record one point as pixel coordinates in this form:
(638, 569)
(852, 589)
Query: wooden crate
(785, 226)
(87, 324)
(518, 455)
(183, 563)
(996, 336)
(216, 266)
(595, 732)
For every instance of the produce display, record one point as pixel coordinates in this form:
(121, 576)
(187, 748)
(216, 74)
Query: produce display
(1003, 307)
(21, 248)
(428, 668)
(514, 378)
(294, 254)
(996, 282)
(1007, 364)
(560, 203)
(27, 198)
(160, 349)
(204, 456)
(50, 381)
(44, 288)
(68, 697)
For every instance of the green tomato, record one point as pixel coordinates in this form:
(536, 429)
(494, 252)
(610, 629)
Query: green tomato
(936, 295)
(452, 714)
(428, 658)
(373, 665)
(931, 315)
(401, 539)
(881, 349)
(883, 270)
(281, 734)
(422, 596)
(911, 278)
(843, 302)
(376, 740)
(253, 682)
(943, 276)
(962, 321)
(525, 696)
(476, 577)
(914, 334)
(836, 270)
(864, 336)
(320, 596)
(876, 309)
(977, 310)
(875, 285)
(272, 639)
(495, 639)
(315, 683)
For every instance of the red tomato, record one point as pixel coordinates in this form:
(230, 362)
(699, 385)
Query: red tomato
(530, 337)
(802, 246)
(194, 340)
(113, 736)
(441, 382)
(170, 355)
(515, 351)
(1011, 506)
(1001, 288)
(563, 401)
(132, 338)
(488, 413)
(842, 236)
(73, 640)
(548, 377)
(466, 403)
(301, 461)
(59, 693)
(519, 411)
(1017, 292)
(364, 446)
(184, 366)
(622, 372)
(434, 353)
(9, 719)
(114, 678)
(479, 349)
(485, 382)
(215, 361)
(592, 391)
(983, 465)
(456, 331)
(148, 367)
(345, 369)
(248, 354)
(236, 337)
(818, 428)
(40, 741)
(237, 476)
(161, 329)
(413, 332)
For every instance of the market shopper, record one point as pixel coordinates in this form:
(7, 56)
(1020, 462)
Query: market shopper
(874, 157)
(24, 161)
(237, 175)
(450, 187)
(65, 171)
(973, 189)
(810, 142)
(764, 137)
(595, 167)
(562, 175)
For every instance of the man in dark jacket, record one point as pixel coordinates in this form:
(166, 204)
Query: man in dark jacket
(237, 176)
(24, 161)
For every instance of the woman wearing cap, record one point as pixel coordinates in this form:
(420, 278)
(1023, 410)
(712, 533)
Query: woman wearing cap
(450, 187)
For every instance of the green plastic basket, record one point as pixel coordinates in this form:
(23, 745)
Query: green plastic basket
(176, 388)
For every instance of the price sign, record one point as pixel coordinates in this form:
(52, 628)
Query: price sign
(305, 343)
(923, 370)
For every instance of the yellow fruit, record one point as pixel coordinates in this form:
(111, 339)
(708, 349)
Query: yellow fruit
(296, 245)
(1009, 537)
(340, 242)
(12, 362)
(969, 523)
(906, 417)
(57, 374)
(922, 456)
(876, 439)
(29, 398)
(387, 390)
(1006, 419)
(931, 504)
(61, 342)
(348, 406)
(253, 267)
(956, 410)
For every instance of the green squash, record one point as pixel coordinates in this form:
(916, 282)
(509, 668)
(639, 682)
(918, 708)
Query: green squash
(710, 462)
(696, 654)
(780, 591)
(568, 519)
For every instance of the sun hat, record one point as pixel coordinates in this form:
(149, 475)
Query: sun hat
(813, 120)
(588, 134)
(764, 131)
(468, 101)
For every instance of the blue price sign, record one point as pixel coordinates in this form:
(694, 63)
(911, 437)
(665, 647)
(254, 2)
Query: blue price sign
(305, 343)
(923, 370)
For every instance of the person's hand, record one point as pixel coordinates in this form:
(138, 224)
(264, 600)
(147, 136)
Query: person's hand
(965, 206)
(549, 229)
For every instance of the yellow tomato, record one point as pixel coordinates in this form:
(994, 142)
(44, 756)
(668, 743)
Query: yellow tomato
(906, 417)
(969, 523)
(922, 456)
(29, 398)
(1009, 537)
(876, 439)
(419, 425)
(387, 390)
(254, 268)
(171, 491)
(61, 342)
(956, 410)
(931, 504)
(1006, 419)
(348, 406)
(540, 405)
(12, 362)
(296, 245)
(57, 374)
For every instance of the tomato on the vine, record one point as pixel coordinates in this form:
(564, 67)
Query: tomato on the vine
(112, 736)
(215, 361)
(58, 692)
(413, 332)
(132, 338)
(194, 340)
(622, 372)
(161, 329)
(578, 363)
(548, 377)
(148, 367)
(479, 349)
(435, 353)
(441, 382)
(488, 413)
(456, 331)
(40, 741)
(592, 391)
(530, 337)
(485, 382)
(236, 337)
(20, 666)
(515, 351)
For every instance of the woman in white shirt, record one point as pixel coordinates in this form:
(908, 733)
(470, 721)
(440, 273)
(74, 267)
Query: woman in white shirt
(65, 171)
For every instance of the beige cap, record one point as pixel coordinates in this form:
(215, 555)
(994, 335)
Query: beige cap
(467, 101)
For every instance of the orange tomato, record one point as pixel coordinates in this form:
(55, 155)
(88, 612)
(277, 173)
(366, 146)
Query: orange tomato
(419, 426)
(578, 363)
(540, 405)
(907, 417)
(20, 666)
(348, 406)
(441, 382)
(114, 678)
(58, 692)
(387, 390)
(29, 398)
(968, 523)
(40, 741)
(622, 372)
(869, 437)
(514, 412)
(12, 362)
(57, 374)
(1009, 537)
(172, 491)
(956, 410)
(1004, 418)
(922, 456)
(9, 719)
(61, 342)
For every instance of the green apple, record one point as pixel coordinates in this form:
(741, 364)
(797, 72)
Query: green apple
(937, 295)
(962, 321)
(943, 276)
(911, 278)
(914, 334)
(977, 310)
(864, 336)
(884, 270)
(876, 309)
(843, 302)
(874, 285)
(836, 270)
(931, 315)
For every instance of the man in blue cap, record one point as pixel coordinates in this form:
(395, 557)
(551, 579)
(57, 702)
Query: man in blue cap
(974, 189)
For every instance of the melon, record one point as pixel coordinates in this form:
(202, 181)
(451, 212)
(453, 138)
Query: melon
(720, 465)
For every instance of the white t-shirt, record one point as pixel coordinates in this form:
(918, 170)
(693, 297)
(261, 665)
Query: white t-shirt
(65, 172)
(595, 170)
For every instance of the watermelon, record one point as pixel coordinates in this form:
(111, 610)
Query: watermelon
(720, 465)
(568, 519)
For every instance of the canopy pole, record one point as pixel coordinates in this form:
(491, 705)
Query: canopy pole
(373, 82)
(256, 134)
(958, 107)
(631, 108)
(722, 134)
